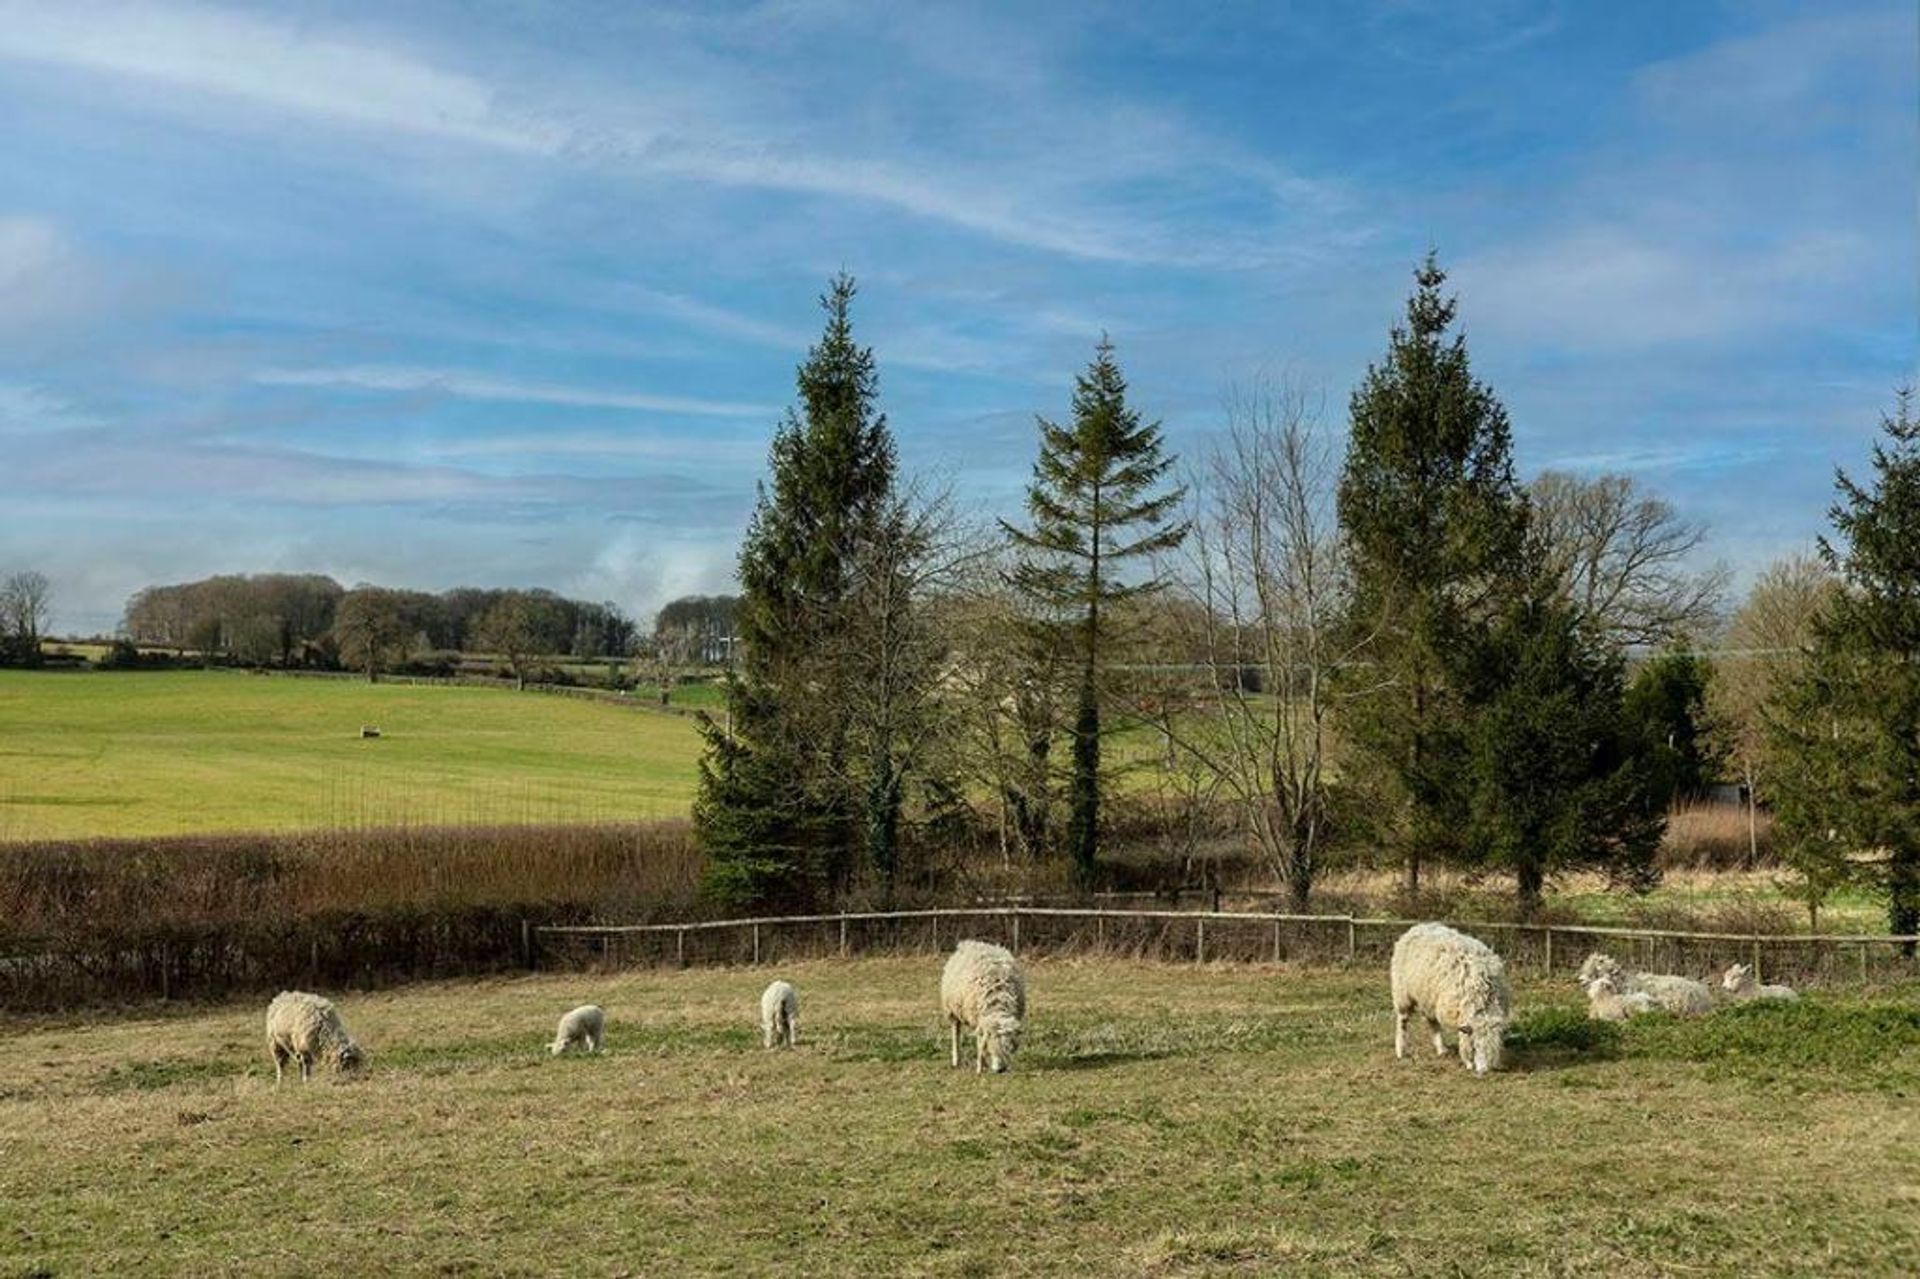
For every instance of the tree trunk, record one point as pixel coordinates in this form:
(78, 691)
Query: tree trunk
(1530, 883)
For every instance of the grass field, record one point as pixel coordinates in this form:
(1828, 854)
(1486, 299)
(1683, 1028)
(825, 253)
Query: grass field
(167, 752)
(1162, 1120)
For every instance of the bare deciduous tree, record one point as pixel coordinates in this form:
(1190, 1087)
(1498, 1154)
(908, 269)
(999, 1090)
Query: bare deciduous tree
(26, 605)
(1265, 568)
(1766, 640)
(1623, 558)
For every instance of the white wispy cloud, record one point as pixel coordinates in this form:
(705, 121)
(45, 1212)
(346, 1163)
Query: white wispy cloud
(483, 386)
(1044, 195)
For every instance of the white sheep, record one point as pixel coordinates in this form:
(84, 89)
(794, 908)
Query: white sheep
(1452, 980)
(307, 1028)
(1606, 1001)
(585, 1028)
(1681, 996)
(1741, 986)
(779, 1015)
(983, 988)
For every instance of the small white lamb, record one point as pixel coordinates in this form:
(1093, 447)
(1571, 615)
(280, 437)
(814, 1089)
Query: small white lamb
(779, 1015)
(1741, 986)
(307, 1028)
(584, 1028)
(1606, 1001)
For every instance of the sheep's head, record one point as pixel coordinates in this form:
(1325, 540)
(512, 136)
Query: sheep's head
(557, 1047)
(1738, 978)
(1602, 985)
(349, 1057)
(1000, 1039)
(1481, 1042)
(1598, 965)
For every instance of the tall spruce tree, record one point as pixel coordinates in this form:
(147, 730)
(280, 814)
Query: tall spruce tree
(1098, 505)
(1848, 724)
(775, 811)
(1436, 526)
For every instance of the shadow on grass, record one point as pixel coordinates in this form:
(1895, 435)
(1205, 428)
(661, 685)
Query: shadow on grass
(1556, 1038)
(1100, 1059)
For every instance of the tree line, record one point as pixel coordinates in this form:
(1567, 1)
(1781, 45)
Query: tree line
(311, 620)
(1388, 639)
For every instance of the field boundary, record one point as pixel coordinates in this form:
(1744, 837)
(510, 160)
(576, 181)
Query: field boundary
(1185, 934)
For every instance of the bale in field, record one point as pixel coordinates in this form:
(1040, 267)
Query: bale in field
(984, 989)
(1607, 1001)
(779, 1015)
(1681, 996)
(584, 1028)
(1741, 986)
(1452, 980)
(309, 1028)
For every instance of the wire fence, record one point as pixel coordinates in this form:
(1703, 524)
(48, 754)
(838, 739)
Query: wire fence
(1205, 936)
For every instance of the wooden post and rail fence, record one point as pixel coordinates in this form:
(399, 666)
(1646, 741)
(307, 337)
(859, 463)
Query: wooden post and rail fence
(1203, 936)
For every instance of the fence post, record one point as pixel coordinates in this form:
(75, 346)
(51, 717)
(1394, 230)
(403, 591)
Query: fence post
(843, 936)
(1201, 934)
(680, 947)
(1100, 932)
(756, 943)
(1549, 948)
(1353, 941)
(1756, 960)
(1016, 929)
(1863, 962)
(1276, 941)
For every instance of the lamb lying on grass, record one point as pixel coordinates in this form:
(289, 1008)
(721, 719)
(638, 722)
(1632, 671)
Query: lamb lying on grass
(1607, 1002)
(308, 1028)
(1681, 996)
(985, 989)
(1454, 980)
(584, 1028)
(1741, 986)
(779, 1015)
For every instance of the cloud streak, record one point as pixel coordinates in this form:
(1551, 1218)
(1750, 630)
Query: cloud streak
(481, 386)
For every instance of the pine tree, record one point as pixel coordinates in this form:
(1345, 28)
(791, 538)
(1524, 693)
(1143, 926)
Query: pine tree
(1555, 777)
(1098, 505)
(1436, 526)
(1666, 709)
(1849, 723)
(775, 812)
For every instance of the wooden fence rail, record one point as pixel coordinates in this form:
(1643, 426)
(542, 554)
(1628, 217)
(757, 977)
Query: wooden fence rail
(1205, 935)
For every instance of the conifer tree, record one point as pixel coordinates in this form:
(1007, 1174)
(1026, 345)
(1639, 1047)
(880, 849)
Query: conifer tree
(775, 812)
(1099, 507)
(1848, 725)
(1436, 527)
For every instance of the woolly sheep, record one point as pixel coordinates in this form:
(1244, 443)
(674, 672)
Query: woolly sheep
(1741, 986)
(1452, 980)
(983, 988)
(779, 1015)
(1606, 1001)
(308, 1028)
(1681, 996)
(585, 1027)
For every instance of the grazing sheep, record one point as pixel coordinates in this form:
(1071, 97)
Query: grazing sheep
(1681, 996)
(1741, 986)
(585, 1028)
(779, 1015)
(307, 1027)
(984, 988)
(1606, 1001)
(1453, 980)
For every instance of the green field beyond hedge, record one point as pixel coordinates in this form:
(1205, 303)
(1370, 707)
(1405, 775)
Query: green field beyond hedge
(160, 753)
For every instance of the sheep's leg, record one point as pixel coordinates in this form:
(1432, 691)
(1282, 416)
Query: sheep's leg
(793, 1032)
(979, 1054)
(1401, 1016)
(306, 1068)
(953, 1030)
(1439, 1038)
(279, 1063)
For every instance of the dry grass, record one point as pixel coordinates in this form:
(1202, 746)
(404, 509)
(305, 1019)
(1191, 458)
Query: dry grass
(1163, 1120)
(1716, 837)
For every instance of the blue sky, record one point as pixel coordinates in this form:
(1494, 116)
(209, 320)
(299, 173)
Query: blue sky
(511, 293)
